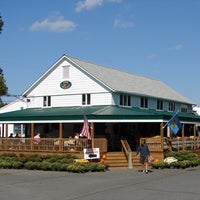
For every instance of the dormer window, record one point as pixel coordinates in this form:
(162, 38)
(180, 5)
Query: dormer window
(159, 105)
(144, 102)
(125, 100)
(171, 106)
(184, 108)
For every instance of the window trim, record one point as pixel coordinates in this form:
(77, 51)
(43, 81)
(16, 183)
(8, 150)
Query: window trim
(46, 101)
(124, 100)
(86, 99)
(171, 106)
(144, 102)
(159, 105)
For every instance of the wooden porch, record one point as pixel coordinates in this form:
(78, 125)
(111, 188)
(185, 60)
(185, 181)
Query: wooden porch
(156, 144)
(51, 145)
(158, 147)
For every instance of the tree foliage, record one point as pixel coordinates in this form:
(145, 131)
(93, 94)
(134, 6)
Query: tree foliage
(3, 87)
(1, 23)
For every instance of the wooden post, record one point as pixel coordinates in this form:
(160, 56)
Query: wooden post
(32, 135)
(6, 130)
(183, 137)
(161, 135)
(7, 136)
(60, 136)
(92, 133)
(195, 136)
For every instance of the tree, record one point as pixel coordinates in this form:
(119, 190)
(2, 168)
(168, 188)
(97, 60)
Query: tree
(1, 24)
(3, 87)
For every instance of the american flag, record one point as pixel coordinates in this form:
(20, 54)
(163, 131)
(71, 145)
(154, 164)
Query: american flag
(85, 130)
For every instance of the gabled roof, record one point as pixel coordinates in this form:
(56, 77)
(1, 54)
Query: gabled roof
(119, 81)
(93, 113)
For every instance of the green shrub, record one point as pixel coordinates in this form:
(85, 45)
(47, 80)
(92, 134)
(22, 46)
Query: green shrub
(101, 167)
(56, 166)
(31, 165)
(185, 159)
(34, 158)
(67, 160)
(5, 164)
(182, 155)
(51, 162)
(17, 165)
(45, 165)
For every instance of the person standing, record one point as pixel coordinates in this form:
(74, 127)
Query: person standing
(37, 138)
(144, 153)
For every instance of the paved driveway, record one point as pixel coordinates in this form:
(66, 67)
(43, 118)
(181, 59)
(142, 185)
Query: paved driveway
(116, 184)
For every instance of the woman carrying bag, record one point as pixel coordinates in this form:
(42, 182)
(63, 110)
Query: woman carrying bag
(143, 151)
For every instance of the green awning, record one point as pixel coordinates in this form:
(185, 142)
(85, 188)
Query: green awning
(93, 113)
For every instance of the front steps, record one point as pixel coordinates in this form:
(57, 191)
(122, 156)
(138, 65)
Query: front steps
(118, 160)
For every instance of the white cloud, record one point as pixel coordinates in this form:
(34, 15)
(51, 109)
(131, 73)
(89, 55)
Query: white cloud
(118, 23)
(152, 56)
(88, 4)
(53, 24)
(178, 47)
(91, 4)
(115, 1)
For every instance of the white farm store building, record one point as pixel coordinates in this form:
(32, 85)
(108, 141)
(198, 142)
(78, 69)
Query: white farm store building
(119, 104)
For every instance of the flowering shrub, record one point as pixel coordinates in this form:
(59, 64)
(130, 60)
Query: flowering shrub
(50, 162)
(178, 160)
(170, 160)
(81, 161)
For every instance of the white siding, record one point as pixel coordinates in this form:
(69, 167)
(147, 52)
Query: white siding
(81, 84)
(16, 105)
(102, 99)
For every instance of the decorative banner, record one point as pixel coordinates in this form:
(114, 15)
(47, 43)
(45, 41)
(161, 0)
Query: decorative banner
(65, 84)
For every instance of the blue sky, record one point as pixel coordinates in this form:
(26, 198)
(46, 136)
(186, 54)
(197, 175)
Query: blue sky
(153, 38)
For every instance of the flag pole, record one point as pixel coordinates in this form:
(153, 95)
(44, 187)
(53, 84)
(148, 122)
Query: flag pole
(92, 133)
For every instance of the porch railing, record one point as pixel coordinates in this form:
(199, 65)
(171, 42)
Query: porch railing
(176, 144)
(52, 144)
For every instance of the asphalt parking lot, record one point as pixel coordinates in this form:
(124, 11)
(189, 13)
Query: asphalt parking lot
(116, 184)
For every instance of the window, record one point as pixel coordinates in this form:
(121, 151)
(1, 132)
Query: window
(86, 99)
(144, 102)
(125, 100)
(66, 71)
(184, 108)
(171, 106)
(47, 101)
(159, 105)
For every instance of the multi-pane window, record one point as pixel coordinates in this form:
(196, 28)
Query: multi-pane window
(159, 105)
(46, 101)
(184, 108)
(125, 100)
(171, 106)
(144, 102)
(86, 99)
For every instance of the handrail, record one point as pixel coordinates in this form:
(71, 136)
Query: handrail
(128, 152)
(51, 144)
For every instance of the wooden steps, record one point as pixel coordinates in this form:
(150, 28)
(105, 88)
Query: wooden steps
(118, 160)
